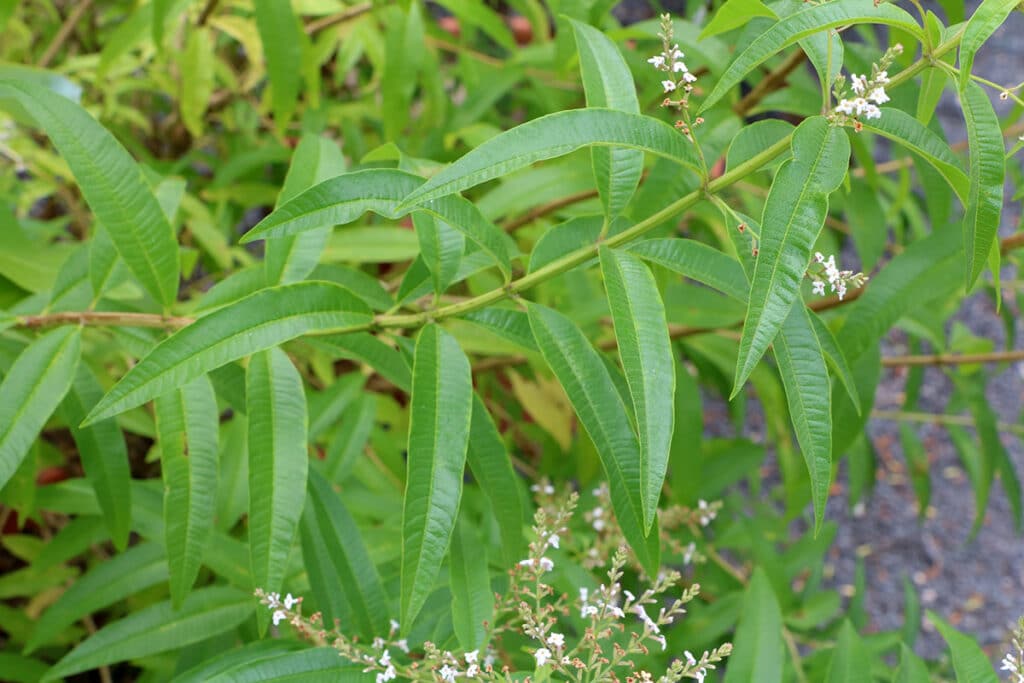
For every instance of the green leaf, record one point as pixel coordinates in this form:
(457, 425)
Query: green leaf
(756, 138)
(553, 136)
(800, 25)
(252, 655)
(794, 214)
(197, 66)
(697, 261)
(759, 652)
(292, 258)
(187, 424)
(439, 423)
(850, 658)
(589, 386)
(32, 389)
(911, 614)
(318, 665)
(441, 248)
(112, 184)
(903, 128)
(344, 580)
(103, 453)
(365, 348)
(20, 669)
(911, 669)
(282, 47)
(109, 582)
(206, 612)
(808, 393)
(733, 14)
(969, 661)
(491, 466)
(834, 355)
(257, 322)
(985, 200)
(645, 350)
(607, 82)
(472, 598)
(345, 198)
(989, 16)
(350, 439)
(278, 461)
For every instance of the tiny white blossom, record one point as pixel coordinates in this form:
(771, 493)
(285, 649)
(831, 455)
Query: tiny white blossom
(448, 673)
(858, 83)
(588, 611)
(385, 659)
(279, 616)
(629, 596)
(471, 656)
(882, 77)
(553, 540)
(878, 95)
(472, 670)
(394, 625)
(845, 107)
(657, 61)
(661, 639)
(1008, 664)
(546, 564)
(387, 675)
(543, 655)
(556, 640)
(378, 643)
(679, 66)
(273, 600)
(819, 287)
(688, 555)
(669, 86)
(403, 645)
(689, 77)
(289, 601)
(676, 53)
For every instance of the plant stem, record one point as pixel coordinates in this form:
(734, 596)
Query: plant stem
(941, 419)
(955, 358)
(109, 319)
(350, 13)
(62, 35)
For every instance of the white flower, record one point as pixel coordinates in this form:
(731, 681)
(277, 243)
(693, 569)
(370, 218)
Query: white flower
(845, 107)
(387, 675)
(1009, 664)
(273, 600)
(669, 86)
(588, 611)
(547, 489)
(878, 95)
(556, 640)
(471, 656)
(819, 287)
(385, 659)
(629, 596)
(403, 645)
(657, 61)
(882, 77)
(584, 592)
(448, 673)
(859, 83)
(489, 659)
(472, 670)
(707, 514)
(279, 616)
(679, 66)
(378, 643)
(689, 77)
(688, 555)
(661, 639)
(676, 53)
(543, 655)
(546, 564)
(289, 601)
(394, 625)
(553, 540)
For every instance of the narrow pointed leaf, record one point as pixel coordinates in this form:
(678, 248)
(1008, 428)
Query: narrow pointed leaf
(138, 568)
(645, 350)
(207, 612)
(697, 261)
(989, 16)
(197, 66)
(834, 356)
(472, 598)
(441, 247)
(439, 424)
(985, 200)
(257, 322)
(970, 662)
(903, 128)
(911, 669)
(363, 347)
(344, 580)
(808, 393)
(293, 257)
(759, 652)
(794, 214)
(850, 658)
(607, 82)
(104, 455)
(282, 45)
(278, 461)
(801, 24)
(491, 466)
(32, 389)
(187, 426)
(112, 184)
(346, 197)
(319, 665)
(553, 136)
(589, 386)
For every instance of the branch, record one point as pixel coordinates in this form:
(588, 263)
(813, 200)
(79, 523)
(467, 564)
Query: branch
(322, 23)
(113, 319)
(62, 35)
(770, 83)
(954, 358)
(941, 419)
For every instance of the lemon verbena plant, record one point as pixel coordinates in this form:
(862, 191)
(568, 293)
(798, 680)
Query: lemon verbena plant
(308, 307)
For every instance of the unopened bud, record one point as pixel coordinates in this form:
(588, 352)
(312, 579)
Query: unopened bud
(741, 227)
(1005, 95)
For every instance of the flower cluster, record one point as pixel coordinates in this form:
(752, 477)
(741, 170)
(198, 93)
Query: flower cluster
(677, 76)
(838, 280)
(867, 92)
(1014, 660)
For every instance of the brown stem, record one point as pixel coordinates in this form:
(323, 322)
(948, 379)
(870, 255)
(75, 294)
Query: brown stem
(954, 358)
(62, 35)
(940, 419)
(770, 83)
(102, 318)
(207, 12)
(544, 209)
(339, 18)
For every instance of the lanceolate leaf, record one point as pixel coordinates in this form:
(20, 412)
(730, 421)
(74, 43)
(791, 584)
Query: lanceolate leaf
(104, 456)
(804, 23)
(187, 425)
(282, 46)
(645, 350)
(553, 136)
(985, 201)
(911, 669)
(292, 258)
(111, 183)
(491, 466)
(320, 665)
(441, 248)
(257, 322)
(345, 198)
(759, 653)
(32, 389)
(344, 580)
(587, 383)
(206, 612)
(793, 216)
(809, 394)
(970, 662)
(138, 568)
(197, 82)
(439, 424)
(607, 82)
(365, 348)
(278, 461)
(834, 356)
(912, 134)
(850, 658)
(989, 16)
(697, 261)
(472, 598)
